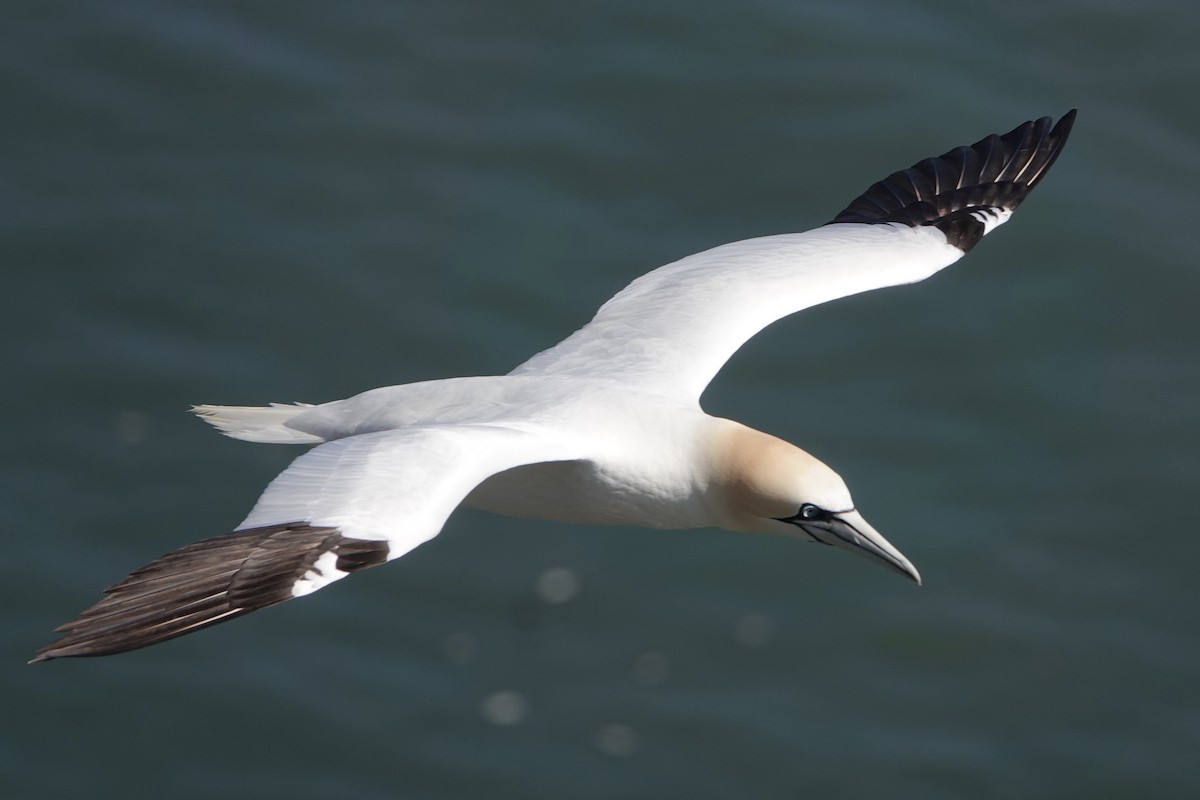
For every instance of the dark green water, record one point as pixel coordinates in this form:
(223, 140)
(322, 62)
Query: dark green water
(246, 202)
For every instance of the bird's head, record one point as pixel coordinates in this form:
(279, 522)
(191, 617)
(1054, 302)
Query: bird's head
(769, 486)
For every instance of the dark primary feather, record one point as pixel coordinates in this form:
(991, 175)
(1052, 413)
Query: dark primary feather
(947, 192)
(205, 583)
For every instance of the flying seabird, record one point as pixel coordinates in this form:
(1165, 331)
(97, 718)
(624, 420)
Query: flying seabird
(605, 427)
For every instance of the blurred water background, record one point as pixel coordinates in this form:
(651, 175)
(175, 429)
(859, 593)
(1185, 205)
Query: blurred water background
(249, 202)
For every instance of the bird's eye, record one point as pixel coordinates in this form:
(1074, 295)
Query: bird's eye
(809, 511)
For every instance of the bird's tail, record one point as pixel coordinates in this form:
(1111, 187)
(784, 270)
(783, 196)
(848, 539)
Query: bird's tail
(267, 424)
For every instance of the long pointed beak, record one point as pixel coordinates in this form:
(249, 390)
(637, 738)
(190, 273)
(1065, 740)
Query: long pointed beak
(849, 531)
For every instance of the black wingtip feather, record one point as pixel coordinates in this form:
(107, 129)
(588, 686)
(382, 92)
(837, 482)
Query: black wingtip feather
(949, 191)
(205, 583)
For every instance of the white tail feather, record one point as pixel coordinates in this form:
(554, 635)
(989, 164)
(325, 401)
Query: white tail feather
(267, 424)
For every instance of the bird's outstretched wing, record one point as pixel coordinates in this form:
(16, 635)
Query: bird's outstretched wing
(339, 508)
(672, 329)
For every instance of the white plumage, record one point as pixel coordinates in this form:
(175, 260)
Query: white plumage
(604, 427)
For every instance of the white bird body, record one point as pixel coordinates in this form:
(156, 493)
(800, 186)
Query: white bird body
(605, 427)
(603, 453)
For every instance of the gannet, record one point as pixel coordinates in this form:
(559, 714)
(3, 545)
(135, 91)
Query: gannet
(605, 427)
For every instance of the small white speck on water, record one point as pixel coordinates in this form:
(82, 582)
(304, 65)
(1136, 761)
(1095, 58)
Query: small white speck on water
(132, 426)
(558, 585)
(507, 707)
(752, 630)
(460, 648)
(616, 739)
(650, 669)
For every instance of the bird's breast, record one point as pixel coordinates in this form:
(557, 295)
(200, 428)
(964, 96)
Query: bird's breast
(596, 493)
